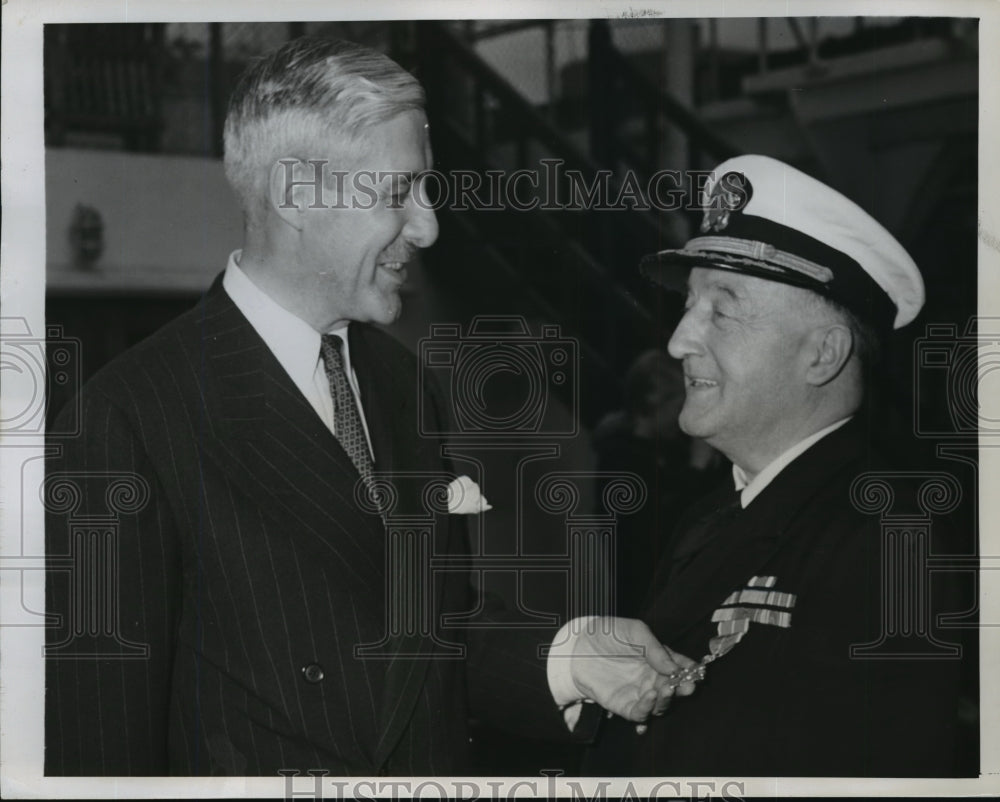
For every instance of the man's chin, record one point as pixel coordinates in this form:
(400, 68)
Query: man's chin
(388, 310)
(694, 425)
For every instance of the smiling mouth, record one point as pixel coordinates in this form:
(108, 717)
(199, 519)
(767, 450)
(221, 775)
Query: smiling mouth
(395, 269)
(696, 383)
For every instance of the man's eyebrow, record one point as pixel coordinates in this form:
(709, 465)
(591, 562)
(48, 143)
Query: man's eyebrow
(727, 290)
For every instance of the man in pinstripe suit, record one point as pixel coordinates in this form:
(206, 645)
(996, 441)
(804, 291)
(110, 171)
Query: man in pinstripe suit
(247, 570)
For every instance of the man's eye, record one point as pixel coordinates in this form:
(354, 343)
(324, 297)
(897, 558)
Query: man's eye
(399, 198)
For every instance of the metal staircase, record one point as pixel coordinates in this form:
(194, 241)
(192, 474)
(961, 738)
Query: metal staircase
(576, 267)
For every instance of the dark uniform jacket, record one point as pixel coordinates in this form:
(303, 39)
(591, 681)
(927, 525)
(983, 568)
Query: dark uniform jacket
(245, 575)
(788, 699)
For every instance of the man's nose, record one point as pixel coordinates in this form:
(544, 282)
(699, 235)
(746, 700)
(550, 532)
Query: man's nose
(421, 228)
(685, 340)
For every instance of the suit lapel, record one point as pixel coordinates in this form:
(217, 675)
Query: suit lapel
(389, 394)
(746, 542)
(381, 406)
(276, 447)
(279, 451)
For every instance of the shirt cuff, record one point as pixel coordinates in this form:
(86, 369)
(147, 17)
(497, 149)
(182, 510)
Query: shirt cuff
(559, 673)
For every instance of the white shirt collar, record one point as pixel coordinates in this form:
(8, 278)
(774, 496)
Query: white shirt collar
(293, 342)
(753, 488)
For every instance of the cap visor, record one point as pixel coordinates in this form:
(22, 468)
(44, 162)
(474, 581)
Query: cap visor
(669, 269)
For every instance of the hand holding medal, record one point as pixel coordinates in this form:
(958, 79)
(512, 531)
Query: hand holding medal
(677, 683)
(682, 682)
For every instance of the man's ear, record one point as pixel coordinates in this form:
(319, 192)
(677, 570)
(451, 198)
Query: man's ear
(829, 348)
(295, 185)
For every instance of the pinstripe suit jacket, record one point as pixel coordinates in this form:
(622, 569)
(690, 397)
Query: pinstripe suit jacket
(250, 575)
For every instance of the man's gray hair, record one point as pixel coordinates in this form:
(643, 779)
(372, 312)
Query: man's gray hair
(867, 340)
(302, 95)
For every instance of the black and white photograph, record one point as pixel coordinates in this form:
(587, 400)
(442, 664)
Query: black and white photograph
(590, 401)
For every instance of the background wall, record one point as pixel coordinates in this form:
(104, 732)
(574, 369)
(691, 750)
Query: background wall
(169, 222)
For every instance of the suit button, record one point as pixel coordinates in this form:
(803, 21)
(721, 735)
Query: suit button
(313, 673)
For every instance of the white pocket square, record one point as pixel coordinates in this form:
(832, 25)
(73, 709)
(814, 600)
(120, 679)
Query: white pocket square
(464, 497)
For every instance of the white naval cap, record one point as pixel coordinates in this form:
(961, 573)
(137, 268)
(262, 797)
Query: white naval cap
(767, 219)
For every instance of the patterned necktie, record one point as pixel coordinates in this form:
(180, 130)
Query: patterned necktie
(347, 420)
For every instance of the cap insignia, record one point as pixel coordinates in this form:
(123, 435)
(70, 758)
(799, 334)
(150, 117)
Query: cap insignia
(731, 193)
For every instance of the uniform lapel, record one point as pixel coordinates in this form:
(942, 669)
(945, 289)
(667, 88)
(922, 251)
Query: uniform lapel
(743, 543)
(274, 445)
(748, 540)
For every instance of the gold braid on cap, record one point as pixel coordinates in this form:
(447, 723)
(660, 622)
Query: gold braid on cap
(761, 252)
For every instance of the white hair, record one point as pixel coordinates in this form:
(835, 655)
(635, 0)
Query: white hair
(308, 91)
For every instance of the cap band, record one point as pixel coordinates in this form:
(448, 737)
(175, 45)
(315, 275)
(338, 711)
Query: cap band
(762, 252)
(790, 240)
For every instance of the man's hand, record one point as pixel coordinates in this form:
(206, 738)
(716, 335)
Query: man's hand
(620, 664)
